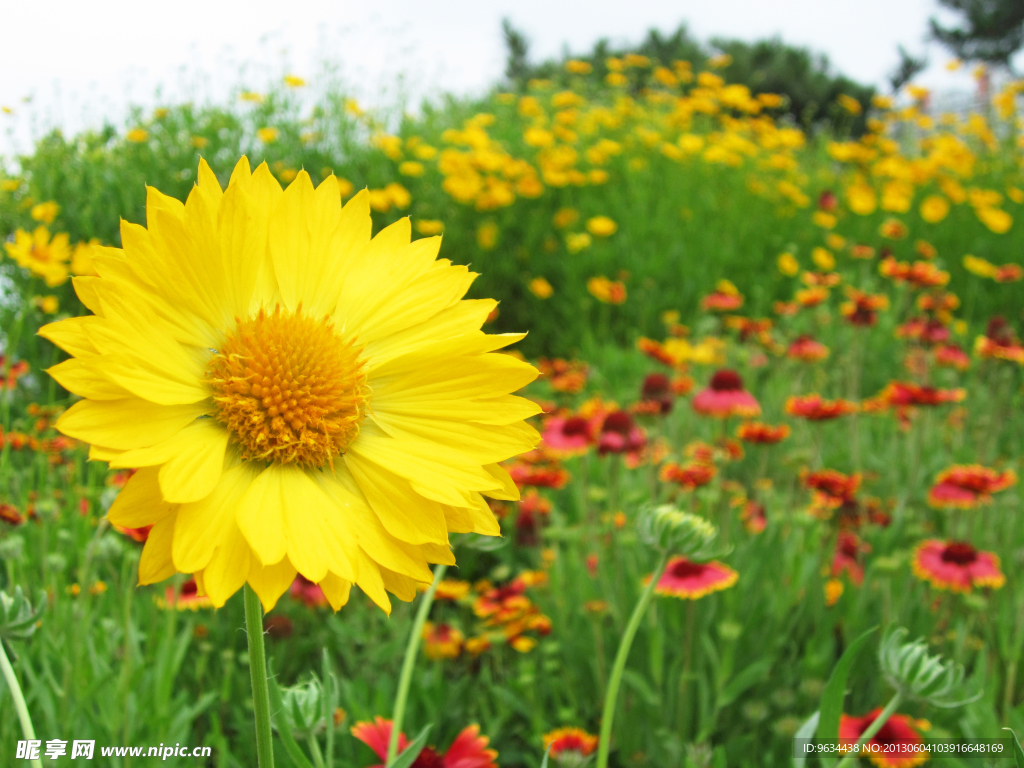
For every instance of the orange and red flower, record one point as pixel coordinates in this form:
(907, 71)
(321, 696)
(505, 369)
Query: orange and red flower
(920, 274)
(186, 597)
(863, 308)
(564, 375)
(688, 580)
(956, 566)
(905, 394)
(924, 330)
(759, 432)
(570, 746)
(999, 342)
(689, 476)
(442, 641)
(847, 557)
(832, 488)
(951, 356)
(620, 434)
(657, 392)
(806, 349)
(469, 750)
(532, 516)
(814, 407)
(725, 397)
(308, 593)
(10, 514)
(568, 435)
(725, 298)
(966, 486)
(893, 746)
(753, 516)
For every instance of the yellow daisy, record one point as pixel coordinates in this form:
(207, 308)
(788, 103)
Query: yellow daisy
(298, 396)
(42, 255)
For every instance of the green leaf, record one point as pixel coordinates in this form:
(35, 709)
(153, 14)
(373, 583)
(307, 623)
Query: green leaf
(544, 762)
(1018, 753)
(805, 731)
(835, 692)
(742, 680)
(408, 757)
(638, 683)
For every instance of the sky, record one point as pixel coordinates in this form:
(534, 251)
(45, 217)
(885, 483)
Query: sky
(86, 62)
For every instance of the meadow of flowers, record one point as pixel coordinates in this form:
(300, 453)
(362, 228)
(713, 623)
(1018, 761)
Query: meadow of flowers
(760, 478)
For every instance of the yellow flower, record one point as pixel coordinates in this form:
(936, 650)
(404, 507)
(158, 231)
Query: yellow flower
(788, 265)
(523, 643)
(10, 185)
(345, 187)
(835, 242)
(541, 288)
(1015, 194)
(833, 591)
(538, 137)
(996, 219)
(137, 135)
(294, 82)
(978, 266)
(45, 212)
(577, 241)
(399, 195)
(48, 304)
(616, 79)
(40, 255)
(861, 199)
(823, 259)
(251, 96)
(299, 397)
(849, 103)
(81, 259)
(894, 229)
(487, 235)
(429, 226)
(934, 208)
(601, 226)
(953, 65)
(411, 168)
(824, 219)
(577, 67)
(199, 141)
(268, 135)
(565, 217)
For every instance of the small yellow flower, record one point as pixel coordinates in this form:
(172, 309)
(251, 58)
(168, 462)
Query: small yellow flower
(10, 185)
(345, 187)
(978, 266)
(823, 259)
(73, 589)
(399, 195)
(565, 217)
(849, 103)
(934, 208)
(160, 112)
(268, 135)
(251, 96)
(98, 588)
(137, 135)
(45, 212)
(411, 168)
(48, 304)
(523, 644)
(835, 242)
(953, 65)
(601, 226)
(670, 316)
(429, 226)
(294, 82)
(541, 288)
(199, 141)
(996, 219)
(1015, 194)
(576, 67)
(487, 235)
(824, 219)
(833, 591)
(861, 199)
(616, 79)
(42, 256)
(577, 241)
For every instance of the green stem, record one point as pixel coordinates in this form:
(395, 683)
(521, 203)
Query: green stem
(19, 700)
(875, 727)
(258, 673)
(409, 663)
(608, 715)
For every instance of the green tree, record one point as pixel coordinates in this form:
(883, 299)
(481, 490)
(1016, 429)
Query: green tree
(992, 30)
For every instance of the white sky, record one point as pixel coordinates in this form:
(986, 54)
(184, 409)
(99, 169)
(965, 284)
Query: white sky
(82, 62)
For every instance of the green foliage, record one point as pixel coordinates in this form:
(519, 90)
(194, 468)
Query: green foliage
(992, 30)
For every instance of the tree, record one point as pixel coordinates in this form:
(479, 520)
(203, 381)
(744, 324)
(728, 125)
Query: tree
(993, 30)
(906, 70)
(517, 67)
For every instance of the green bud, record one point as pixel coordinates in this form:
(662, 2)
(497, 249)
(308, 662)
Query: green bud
(18, 618)
(679, 533)
(916, 674)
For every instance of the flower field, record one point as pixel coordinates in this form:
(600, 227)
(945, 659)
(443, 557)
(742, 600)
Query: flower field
(754, 463)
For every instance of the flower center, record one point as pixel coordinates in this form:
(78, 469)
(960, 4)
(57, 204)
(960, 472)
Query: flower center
(726, 381)
(685, 569)
(288, 388)
(576, 425)
(618, 421)
(960, 553)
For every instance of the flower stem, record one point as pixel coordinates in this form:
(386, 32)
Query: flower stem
(258, 673)
(608, 715)
(19, 700)
(409, 663)
(875, 727)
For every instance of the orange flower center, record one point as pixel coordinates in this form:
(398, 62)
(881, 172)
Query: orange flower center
(288, 388)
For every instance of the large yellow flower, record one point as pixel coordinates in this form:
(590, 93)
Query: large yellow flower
(298, 397)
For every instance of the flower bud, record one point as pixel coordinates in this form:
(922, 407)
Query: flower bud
(679, 533)
(917, 675)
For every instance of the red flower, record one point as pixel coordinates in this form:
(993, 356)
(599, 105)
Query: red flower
(956, 566)
(968, 485)
(564, 375)
(533, 514)
(758, 432)
(951, 356)
(832, 488)
(186, 597)
(568, 435)
(753, 516)
(920, 274)
(905, 394)
(924, 330)
(890, 742)
(307, 593)
(806, 349)
(657, 390)
(688, 580)
(1008, 273)
(862, 308)
(828, 201)
(814, 407)
(999, 342)
(469, 750)
(725, 299)
(10, 514)
(725, 397)
(655, 350)
(572, 745)
(847, 557)
(619, 434)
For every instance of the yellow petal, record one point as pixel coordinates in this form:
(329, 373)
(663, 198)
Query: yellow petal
(139, 503)
(337, 590)
(313, 546)
(86, 378)
(201, 524)
(271, 581)
(70, 335)
(371, 582)
(156, 563)
(194, 471)
(260, 517)
(124, 424)
(228, 568)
